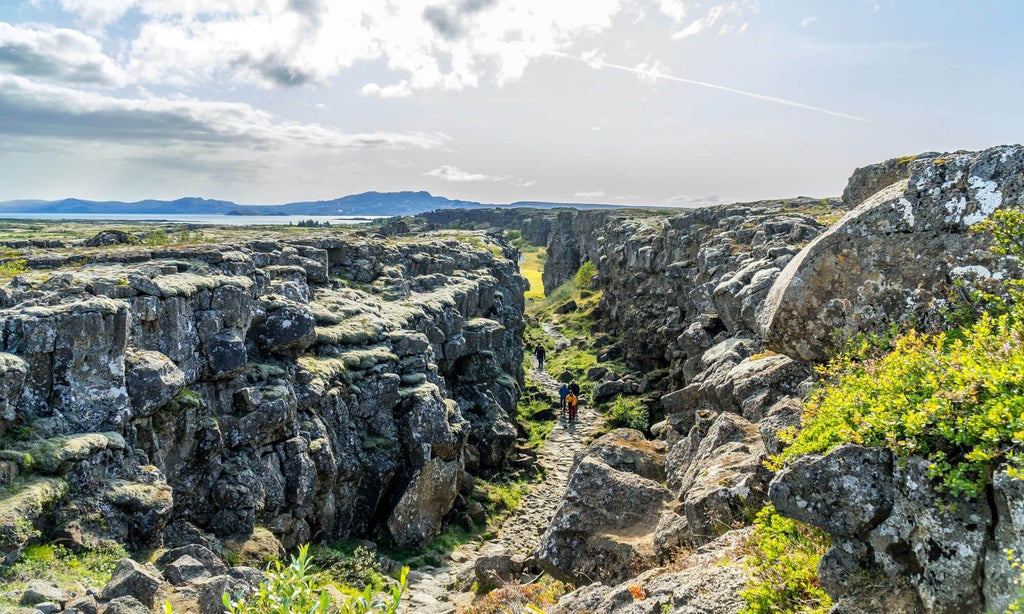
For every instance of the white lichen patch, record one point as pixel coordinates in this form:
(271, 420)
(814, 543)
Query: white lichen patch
(908, 211)
(974, 270)
(988, 196)
(956, 208)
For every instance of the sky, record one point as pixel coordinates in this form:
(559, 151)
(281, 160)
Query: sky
(656, 102)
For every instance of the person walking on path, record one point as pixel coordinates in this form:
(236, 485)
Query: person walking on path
(540, 352)
(562, 393)
(574, 388)
(571, 402)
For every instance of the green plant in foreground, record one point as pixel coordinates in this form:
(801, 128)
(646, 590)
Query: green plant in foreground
(783, 564)
(297, 588)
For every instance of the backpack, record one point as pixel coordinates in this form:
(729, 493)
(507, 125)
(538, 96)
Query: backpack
(571, 399)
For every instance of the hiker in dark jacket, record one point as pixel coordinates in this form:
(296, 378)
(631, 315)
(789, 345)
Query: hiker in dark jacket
(574, 388)
(540, 352)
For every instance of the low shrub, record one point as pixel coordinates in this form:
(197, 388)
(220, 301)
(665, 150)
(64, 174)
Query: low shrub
(627, 412)
(297, 588)
(783, 565)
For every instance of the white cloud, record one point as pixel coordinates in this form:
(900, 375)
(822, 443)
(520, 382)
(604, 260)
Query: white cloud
(526, 184)
(95, 13)
(427, 44)
(676, 9)
(713, 16)
(29, 108)
(695, 201)
(58, 54)
(451, 173)
(398, 90)
(595, 194)
(806, 21)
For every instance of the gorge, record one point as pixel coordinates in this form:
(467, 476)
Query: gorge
(252, 392)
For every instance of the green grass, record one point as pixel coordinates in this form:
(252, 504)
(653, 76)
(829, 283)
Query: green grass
(537, 429)
(783, 565)
(56, 564)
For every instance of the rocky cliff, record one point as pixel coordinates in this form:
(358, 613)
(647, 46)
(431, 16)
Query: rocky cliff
(320, 386)
(738, 303)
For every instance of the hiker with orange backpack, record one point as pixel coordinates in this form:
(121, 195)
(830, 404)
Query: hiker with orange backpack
(571, 402)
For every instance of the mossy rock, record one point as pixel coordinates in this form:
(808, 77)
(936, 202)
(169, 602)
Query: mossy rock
(256, 550)
(52, 455)
(20, 507)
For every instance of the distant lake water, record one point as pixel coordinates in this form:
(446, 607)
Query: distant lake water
(228, 220)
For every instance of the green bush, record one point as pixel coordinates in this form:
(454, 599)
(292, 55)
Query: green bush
(783, 565)
(585, 275)
(627, 412)
(297, 588)
(955, 398)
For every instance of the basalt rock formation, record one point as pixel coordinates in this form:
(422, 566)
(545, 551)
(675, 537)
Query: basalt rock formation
(322, 387)
(735, 305)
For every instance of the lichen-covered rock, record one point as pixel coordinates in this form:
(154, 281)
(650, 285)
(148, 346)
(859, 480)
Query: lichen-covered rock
(894, 255)
(152, 380)
(847, 492)
(723, 480)
(707, 581)
(131, 579)
(12, 379)
(604, 530)
(416, 519)
(289, 329)
(1000, 582)
(75, 355)
(888, 520)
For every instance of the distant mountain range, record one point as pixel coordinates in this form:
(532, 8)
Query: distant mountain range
(368, 203)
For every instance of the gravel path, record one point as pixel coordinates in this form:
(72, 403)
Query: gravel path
(441, 590)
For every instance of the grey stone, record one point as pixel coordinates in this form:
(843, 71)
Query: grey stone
(131, 579)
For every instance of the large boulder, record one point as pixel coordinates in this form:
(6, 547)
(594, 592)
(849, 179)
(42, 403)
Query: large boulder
(152, 380)
(431, 492)
(895, 254)
(847, 492)
(604, 530)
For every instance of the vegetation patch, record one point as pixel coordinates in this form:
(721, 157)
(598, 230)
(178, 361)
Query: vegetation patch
(299, 588)
(519, 598)
(58, 565)
(783, 563)
(627, 412)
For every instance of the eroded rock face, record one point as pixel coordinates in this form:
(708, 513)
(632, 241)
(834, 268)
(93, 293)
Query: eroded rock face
(329, 386)
(895, 255)
(887, 520)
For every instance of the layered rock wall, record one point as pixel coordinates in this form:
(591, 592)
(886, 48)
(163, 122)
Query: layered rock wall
(323, 387)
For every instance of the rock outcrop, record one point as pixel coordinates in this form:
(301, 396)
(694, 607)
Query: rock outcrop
(896, 256)
(332, 386)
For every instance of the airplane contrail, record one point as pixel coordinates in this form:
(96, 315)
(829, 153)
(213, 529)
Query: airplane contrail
(653, 74)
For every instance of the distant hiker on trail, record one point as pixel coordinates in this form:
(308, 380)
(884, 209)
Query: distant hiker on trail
(571, 402)
(562, 393)
(574, 388)
(540, 352)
